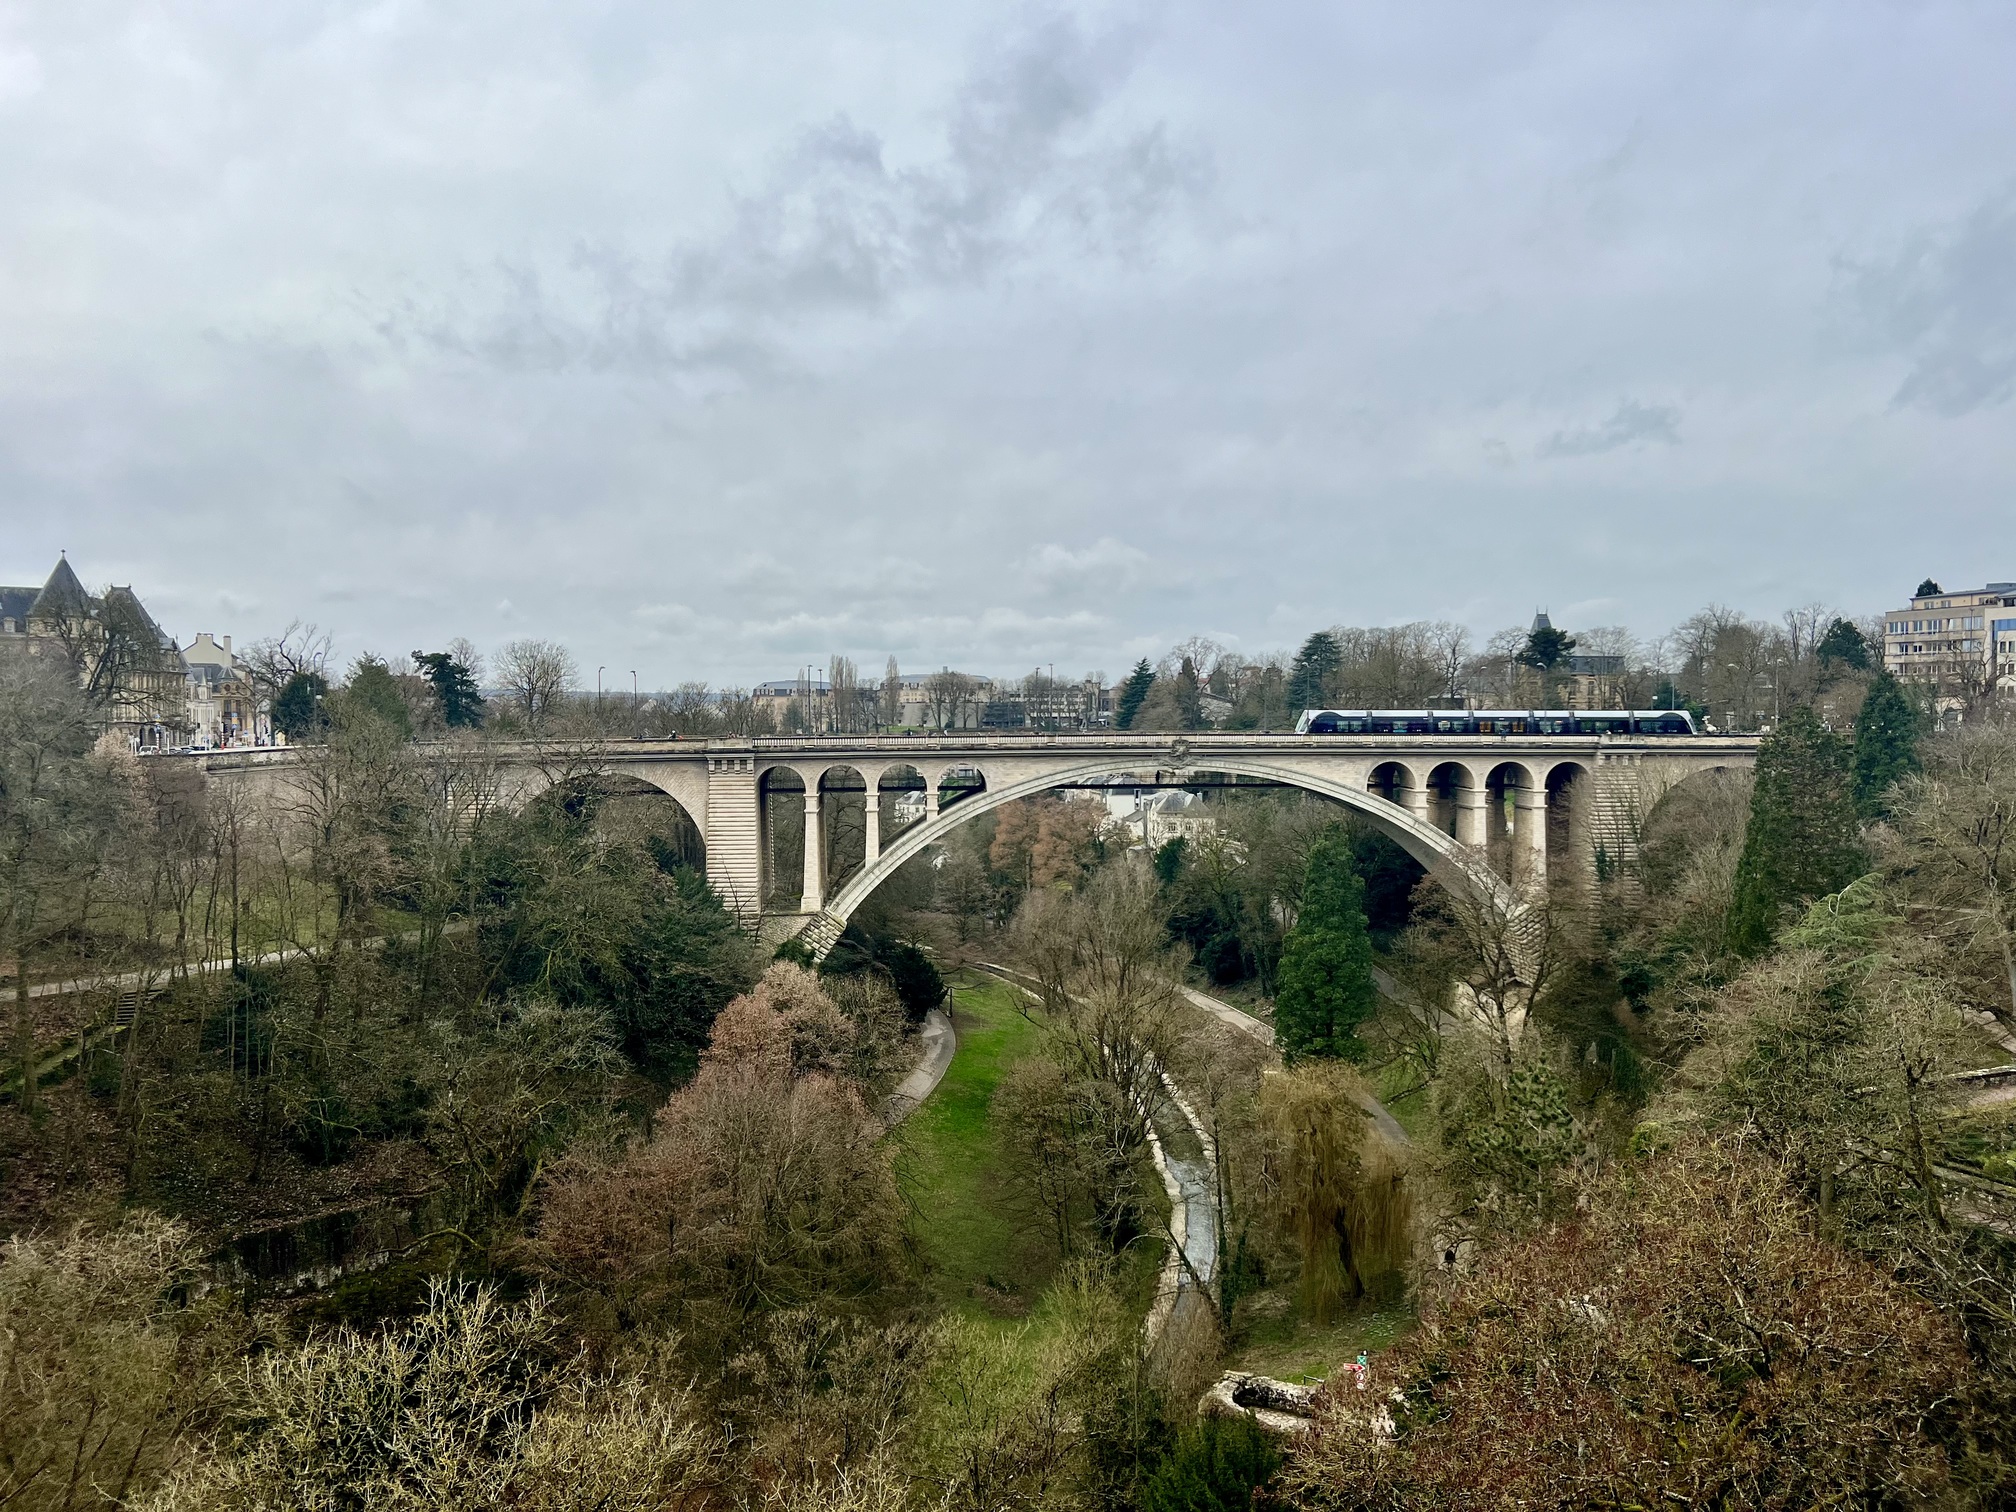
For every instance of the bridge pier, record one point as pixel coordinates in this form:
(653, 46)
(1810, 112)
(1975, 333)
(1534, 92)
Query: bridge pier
(813, 896)
(1470, 816)
(1416, 797)
(873, 845)
(1529, 834)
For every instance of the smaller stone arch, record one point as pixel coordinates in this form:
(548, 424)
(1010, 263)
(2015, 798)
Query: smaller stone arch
(640, 809)
(1568, 793)
(1393, 781)
(780, 818)
(1455, 801)
(843, 821)
(902, 798)
(1708, 799)
(1513, 798)
(958, 783)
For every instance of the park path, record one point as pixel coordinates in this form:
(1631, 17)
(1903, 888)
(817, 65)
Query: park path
(940, 1043)
(1254, 1028)
(155, 976)
(1190, 1182)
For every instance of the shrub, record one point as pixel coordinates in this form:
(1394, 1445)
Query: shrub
(1688, 1340)
(1214, 1467)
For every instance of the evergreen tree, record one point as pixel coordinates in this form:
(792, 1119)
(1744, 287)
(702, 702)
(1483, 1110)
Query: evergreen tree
(1310, 674)
(1886, 743)
(297, 709)
(1133, 693)
(1843, 645)
(1547, 648)
(372, 690)
(1325, 981)
(455, 690)
(1802, 842)
(1215, 1466)
(1189, 697)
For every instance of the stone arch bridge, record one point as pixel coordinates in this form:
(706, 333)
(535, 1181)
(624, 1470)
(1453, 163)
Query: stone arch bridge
(1488, 809)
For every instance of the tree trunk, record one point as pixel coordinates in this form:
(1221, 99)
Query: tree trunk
(1927, 1181)
(2008, 959)
(24, 1027)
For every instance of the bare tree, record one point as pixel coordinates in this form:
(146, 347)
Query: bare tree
(891, 702)
(1957, 833)
(273, 662)
(1106, 971)
(1500, 945)
(1494, 674)
(847, 707)
(1451, 646)
(464, 651)
(949, 695)
(536, 674)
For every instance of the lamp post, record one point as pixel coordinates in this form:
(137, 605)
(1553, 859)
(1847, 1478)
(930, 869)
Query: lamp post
(598, 687)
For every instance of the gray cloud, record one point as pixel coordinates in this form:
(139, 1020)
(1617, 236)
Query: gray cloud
(835, 230)
(1948, 300)
(1632, 424)
(716, 340)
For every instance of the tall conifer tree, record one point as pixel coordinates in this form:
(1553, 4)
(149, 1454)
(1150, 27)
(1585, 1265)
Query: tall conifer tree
(1133, 693)
(1803, 841)
(1189, 696)
(1886, 743)
(1325, 979)
(455, 690)
(1310, 674)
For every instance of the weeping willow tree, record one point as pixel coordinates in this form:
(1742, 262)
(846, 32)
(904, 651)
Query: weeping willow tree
(1337, 1186)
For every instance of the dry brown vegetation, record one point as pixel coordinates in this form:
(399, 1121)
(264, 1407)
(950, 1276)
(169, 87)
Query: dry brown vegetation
(1688, 1339)
(765, 1184)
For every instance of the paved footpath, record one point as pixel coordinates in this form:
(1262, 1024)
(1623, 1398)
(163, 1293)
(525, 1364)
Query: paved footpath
(1254, 1028)
(940, 1043)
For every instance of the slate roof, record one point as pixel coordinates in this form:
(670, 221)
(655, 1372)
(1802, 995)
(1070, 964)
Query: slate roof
(162, 639)
(62, 596)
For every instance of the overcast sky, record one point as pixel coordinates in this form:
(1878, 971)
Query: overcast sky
(715, 339)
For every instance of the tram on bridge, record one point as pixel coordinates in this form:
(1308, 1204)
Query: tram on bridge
(1496, 722)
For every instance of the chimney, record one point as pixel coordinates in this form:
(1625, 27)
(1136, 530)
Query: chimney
(227, 645)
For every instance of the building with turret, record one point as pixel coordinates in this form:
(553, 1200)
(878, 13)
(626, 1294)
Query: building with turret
(130, 669)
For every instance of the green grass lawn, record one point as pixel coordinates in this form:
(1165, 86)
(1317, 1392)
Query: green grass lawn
(1411, 1111)
(986, 1258)
(1275, 1339)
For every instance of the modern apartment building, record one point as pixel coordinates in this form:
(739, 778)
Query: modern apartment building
(1962, 643)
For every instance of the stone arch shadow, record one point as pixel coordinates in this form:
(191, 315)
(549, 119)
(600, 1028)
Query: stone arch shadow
(1436, 851)
(684, 837)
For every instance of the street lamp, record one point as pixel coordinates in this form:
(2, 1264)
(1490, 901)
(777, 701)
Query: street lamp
(598, 687)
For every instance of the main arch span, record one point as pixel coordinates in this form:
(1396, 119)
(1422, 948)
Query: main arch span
(1431, 847)
(805, 830)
